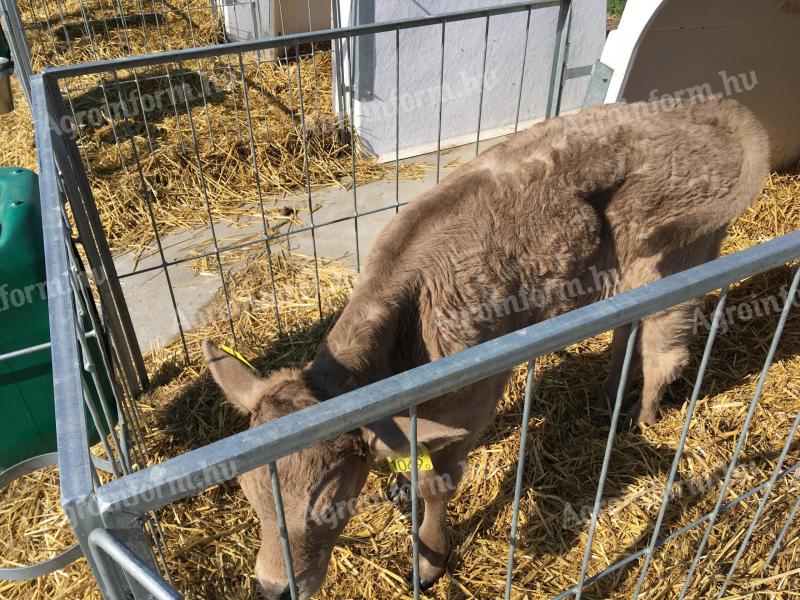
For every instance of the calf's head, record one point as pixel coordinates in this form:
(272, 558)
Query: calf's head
(319, 485)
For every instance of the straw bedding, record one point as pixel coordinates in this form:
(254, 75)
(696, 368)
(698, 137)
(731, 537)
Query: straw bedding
(212, 538)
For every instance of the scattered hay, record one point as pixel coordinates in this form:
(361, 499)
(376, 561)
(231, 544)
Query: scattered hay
(57, 32)
(40, 528)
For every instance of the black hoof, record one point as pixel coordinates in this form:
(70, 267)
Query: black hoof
(399, 490)
(424, 586)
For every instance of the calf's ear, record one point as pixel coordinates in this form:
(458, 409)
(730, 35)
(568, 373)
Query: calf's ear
(391, 438)
(240, 383)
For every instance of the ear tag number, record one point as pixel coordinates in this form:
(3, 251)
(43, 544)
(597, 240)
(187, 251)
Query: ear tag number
(235, 354)
(403, 463)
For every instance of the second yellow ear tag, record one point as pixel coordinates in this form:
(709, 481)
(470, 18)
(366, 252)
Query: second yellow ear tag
(235, 354)
(403, 463)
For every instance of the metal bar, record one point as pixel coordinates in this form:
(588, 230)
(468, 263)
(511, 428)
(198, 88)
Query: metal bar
(338, 50)
(743, 434)
(257, 177)
(91, 231)
(577, 72)
(313, 61)
(784, 530)
(18, 43)
(712, 336)
(206, 203)
(353, 145)
(523, 442)
(483, 85)
(83, 311)
(87, 401)
(24, 351)
(154, 225)
(133, 536)
(598, 85)
(441, 104)
(286, 61)
(397, 121)
(559, 59)
(412, 421)
(284, 533)
(198, 469)
(682, 531)
(308, 183)
(761, 505)
(108, 430)
(103, 542)
(77, 488)
(612, 432)
(325, 35)
(522, 72)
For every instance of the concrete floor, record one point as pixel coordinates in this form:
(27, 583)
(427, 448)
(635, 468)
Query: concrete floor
(148, 295)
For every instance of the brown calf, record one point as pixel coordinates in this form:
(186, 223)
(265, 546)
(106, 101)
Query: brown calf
(571, 210)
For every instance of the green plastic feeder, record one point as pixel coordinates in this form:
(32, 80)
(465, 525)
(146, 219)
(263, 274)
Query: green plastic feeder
(28, 427)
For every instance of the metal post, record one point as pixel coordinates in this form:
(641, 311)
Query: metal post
(111, 552)
(91, 231)
(18, 44)
(129, 530)
(559, 59)
(77, 488)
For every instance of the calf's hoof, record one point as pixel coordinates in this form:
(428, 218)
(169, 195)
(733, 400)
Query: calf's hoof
(641, 416)
(399, 491)
(424, 585)
(602, 402)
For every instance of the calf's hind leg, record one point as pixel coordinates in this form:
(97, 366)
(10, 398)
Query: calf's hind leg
(664, 342)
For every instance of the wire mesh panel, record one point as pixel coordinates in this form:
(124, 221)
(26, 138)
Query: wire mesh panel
(48, 33)
(224, 197)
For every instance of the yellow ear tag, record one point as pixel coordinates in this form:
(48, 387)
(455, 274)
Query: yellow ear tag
(235, 354)
(403, 464)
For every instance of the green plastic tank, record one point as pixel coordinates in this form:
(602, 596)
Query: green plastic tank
(26, 382)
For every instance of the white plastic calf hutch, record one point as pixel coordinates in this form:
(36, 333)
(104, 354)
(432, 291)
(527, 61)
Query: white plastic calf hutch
(252, 19)
(742, 49)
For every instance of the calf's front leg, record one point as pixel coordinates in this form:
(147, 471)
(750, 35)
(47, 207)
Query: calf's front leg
(436, 488)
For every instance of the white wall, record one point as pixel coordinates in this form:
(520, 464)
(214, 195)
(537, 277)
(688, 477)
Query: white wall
(420, 55)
